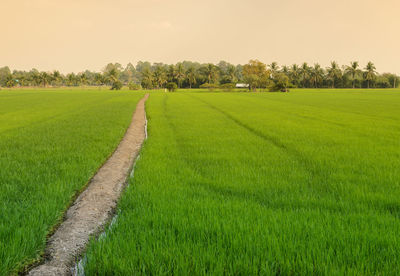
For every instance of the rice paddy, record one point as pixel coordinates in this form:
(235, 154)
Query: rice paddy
(51, 143)
(299, 183)
(306, 182)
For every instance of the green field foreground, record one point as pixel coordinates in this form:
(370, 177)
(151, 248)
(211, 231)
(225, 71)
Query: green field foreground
(261, 183)
(51, 144)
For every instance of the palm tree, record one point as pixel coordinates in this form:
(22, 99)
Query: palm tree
(370, 72)
(295, 74)
(285, 70)
(274, 68)
(147, 78)
(305, 72)
(211, 72)
(160, 76)
(44, 78)
(71, 79)
(317, 74)
(83, 78)
(353, 71)
(57, 77)
(179, 74)
(191, 76)
(232, 73)
(112, 76)
(334, 72)
(171, 73)
(99, 79)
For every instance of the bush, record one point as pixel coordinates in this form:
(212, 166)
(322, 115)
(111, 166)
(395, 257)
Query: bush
(171, 86)
(209, 86)
(116, 85)
(227, 87)
(134, 86)
(280, 83)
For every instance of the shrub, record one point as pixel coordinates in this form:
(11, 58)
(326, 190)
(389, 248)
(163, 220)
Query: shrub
(171, 86)
(280, 83)
(209, 86)
(116, 85)
(134, 86)
(227, 87)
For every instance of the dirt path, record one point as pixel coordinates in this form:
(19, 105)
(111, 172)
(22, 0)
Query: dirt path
(95, 206)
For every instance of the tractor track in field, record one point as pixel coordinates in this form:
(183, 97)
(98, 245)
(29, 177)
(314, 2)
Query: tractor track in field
(94, 207)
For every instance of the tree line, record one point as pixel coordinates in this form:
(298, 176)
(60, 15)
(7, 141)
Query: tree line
(187, 74)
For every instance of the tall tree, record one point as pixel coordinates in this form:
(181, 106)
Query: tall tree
(231, 73)
(370, 72)
(147, 78)
(317, 74)
(273, 68)
(353, 71)
(191, 76)
(255, 73)
(4, 75)
(112, 75)
(334, 72)
(99, 79)
(210, 72)
(45, 78)
(128, 74)
(295, 74)
(171, 73)
(10, 81)
(83, 79)
(179, 74)
(285, 70)
(305, 72)
(57, 78)
(160, 76)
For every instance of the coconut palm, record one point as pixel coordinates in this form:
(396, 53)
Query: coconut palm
(45, 78)
(210, 72)
(160, 76)
(317, 74)
(231, 71)
(112, 75)
(353, 71)
(274, 68)
(83, 78)
(57, 78)
(147, 78)
(305, 72)
(370, 72)
(191, 76)
(171, 73)
(179, 74)
(99, 79)
(334, 72)
(295, 74)
(285, 70)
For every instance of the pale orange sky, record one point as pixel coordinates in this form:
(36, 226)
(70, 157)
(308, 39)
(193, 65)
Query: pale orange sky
(73, 35)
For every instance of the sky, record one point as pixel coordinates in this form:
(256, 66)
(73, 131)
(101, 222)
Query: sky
(75, 35)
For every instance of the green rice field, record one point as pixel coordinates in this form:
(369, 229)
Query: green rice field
(269, 183)
(299, 183)
(51, 144)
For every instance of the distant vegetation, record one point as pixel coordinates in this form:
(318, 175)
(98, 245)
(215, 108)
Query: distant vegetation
(189, 74)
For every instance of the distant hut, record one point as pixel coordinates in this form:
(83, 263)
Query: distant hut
(242, 85)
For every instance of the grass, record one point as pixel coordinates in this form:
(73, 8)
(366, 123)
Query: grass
(261, 183)
(51, 144)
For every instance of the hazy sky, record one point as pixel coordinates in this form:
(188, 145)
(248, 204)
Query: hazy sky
(73, 35)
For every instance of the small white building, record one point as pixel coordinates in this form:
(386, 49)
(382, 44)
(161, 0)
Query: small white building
(242, 85)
